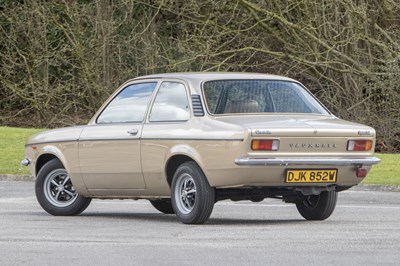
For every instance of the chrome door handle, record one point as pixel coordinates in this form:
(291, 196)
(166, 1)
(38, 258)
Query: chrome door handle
(133, 132)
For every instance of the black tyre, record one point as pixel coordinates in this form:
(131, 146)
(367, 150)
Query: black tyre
(192, 197)
(163, 205)
(55, 192)
(317, 207)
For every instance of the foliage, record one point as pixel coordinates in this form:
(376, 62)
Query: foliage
(61, 59)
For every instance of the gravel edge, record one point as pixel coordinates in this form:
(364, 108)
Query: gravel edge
(360, 187)
(17, 178)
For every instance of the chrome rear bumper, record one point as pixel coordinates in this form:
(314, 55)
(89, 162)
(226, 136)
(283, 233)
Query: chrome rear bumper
(308, 161)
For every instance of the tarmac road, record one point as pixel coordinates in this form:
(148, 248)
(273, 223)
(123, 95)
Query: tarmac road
(363, 230)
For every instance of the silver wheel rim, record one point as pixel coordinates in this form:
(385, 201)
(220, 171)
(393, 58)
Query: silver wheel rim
(185, 193)
(58, 189)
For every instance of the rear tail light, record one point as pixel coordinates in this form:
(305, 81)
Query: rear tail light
(265, 145)
(359, 145)
(361, 172)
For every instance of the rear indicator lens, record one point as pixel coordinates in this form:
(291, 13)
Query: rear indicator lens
(265, 145)
(359, 145)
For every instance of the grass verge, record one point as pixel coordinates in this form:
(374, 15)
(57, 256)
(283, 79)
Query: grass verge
(385, 173)
(12, 141)
(12, 149)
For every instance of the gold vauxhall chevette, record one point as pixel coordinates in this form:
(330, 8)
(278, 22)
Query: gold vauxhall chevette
(187, 140)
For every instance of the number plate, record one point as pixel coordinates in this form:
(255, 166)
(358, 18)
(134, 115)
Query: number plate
(311, 176)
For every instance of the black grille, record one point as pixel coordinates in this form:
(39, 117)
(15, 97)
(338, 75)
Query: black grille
(197, 106)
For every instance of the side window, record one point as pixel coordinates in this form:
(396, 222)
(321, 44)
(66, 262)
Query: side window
(171, 103)
(129, 105)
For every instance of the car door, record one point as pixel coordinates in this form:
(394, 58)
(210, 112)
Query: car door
(167, 125)
(109, 150)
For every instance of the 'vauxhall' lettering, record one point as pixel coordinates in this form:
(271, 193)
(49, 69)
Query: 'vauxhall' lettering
(312, 145)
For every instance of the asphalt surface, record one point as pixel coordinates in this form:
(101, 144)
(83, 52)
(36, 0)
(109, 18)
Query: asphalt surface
(363, 230)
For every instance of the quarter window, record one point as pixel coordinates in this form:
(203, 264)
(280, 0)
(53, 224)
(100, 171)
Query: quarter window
(171, 103)
(129, 105)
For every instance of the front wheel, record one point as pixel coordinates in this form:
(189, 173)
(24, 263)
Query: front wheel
(55, 192)
(192, 197)
(317, 207)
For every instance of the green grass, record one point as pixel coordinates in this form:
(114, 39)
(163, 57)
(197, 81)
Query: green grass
(12, 149)
(387, 172)
(12, 141)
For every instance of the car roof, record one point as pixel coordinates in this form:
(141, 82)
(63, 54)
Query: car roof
(195, 79)
(214, 75)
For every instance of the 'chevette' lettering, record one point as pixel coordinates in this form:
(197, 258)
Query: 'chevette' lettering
(262, 132)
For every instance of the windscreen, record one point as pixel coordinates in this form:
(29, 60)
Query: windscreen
(259, 96)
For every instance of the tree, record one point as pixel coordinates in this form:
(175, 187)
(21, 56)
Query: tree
(61, 59)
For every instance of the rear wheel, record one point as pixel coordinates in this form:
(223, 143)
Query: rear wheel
(317, 207)
(163, 205)
(56, 193)
(192, 197)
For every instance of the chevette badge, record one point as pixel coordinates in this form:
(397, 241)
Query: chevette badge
(312, 145)
(262, 132)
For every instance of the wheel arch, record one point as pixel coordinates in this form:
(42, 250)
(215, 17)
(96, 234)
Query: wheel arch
(174, 162)
(49, 153)
(43, 159)
(179, 154)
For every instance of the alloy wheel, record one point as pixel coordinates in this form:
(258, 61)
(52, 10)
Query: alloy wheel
(58, 189)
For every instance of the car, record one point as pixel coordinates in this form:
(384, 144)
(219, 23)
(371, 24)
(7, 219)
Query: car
(185, 141)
